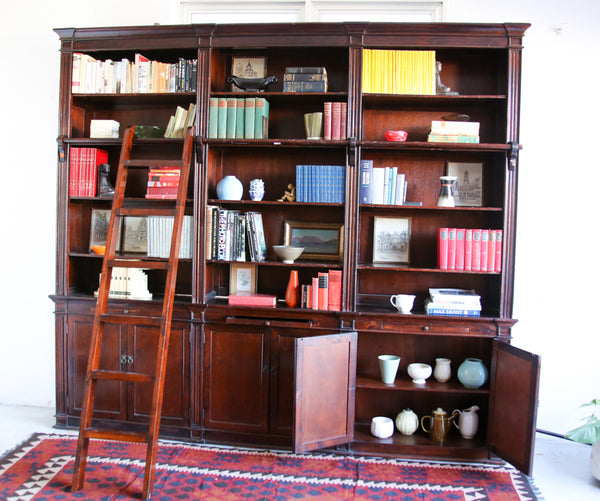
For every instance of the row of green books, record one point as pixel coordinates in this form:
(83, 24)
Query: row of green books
(238, 118)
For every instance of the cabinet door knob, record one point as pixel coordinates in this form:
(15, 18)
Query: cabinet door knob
(123, 359)
(267, 322)
(426, 327)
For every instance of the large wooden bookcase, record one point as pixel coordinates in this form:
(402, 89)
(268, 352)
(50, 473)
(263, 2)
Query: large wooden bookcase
(244, 374)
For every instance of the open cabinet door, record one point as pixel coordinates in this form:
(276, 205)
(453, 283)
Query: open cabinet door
(325, 385)
(513, 405)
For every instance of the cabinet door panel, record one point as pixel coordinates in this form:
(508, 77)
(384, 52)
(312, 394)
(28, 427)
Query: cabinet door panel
(143, 343)
(110, 401)
(236, 370)
(513, 405)
(325, 378)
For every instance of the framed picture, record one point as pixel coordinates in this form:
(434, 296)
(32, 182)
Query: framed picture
(242, 277)
(391, 240)
(99, 228)
(468, 187)
(322, 241)
(135, 235)
(248, 67)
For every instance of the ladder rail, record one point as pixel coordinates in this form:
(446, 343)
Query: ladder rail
(93, 374)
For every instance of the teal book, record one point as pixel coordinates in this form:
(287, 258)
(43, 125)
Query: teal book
(240, 118)
(249, 117)
(213, 117)
(222, 118)
(261, 118)
(231, 120)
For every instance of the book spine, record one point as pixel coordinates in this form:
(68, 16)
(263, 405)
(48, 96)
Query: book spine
(483, 254)
(240, 118)
(334, 301)
(498, 259)
(222, 118)
(377, 185)
(306, 69)
(453, 312)
(315, 293)
(344, 121)
(468, 249)
(327, 120)
(249, 117)
(336, 112)
(304, 77)
(443, 248)
(476, 250)
(231, 119)
(459, 255)
(451, 248)
(323, 290)
(213, 108)
(305, 86)
(491, 251)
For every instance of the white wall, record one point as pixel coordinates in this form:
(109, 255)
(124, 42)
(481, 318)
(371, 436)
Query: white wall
(556, 249)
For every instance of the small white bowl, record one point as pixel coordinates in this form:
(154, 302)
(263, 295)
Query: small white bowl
(419, 372)
(382, 427)
(288, 253)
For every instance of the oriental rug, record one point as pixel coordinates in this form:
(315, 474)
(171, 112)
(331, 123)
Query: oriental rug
(41, 468)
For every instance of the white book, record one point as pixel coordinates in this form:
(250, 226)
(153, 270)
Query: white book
(377, 185)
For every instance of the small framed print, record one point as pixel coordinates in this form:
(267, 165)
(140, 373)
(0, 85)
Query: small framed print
(321, 241)
(468, 188)
(242, 278)
(135, 235)
(99, 228)
(248, 67)
(391, 240)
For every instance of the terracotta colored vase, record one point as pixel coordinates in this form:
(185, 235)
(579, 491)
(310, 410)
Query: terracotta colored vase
(292, 293)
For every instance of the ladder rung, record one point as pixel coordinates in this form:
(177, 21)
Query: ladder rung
(130, 319)
(127, 377)
(138, 263)
(141, 162)
(148, 211)
(121, 436)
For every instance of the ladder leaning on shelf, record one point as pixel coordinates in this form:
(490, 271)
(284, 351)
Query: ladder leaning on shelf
(93, 374)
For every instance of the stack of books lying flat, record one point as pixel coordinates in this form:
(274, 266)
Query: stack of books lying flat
(305, 79)
(446, 131)
(453, 302)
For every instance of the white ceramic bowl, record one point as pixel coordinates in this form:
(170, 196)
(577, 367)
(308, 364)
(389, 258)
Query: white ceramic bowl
(419, 372)
(288, 253)
(382, 427)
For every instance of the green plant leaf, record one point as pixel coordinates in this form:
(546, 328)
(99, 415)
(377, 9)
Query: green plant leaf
(587, 433)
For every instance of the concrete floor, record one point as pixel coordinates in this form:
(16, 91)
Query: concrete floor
(560, 471)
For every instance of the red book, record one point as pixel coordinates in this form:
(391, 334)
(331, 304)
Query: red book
(74, 166)
(327, 120)
(252, 299)
(451, 248)
(491, 250)
(459, 254)
(476, 251)
(498, 258)
(483, 256)
(443, 248)
(334, 301)
(468, 249)
(336, 114)
(323, 290)
(95, 158)
(314, 292)
(343, 121)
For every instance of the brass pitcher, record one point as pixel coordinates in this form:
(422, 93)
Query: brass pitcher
(439, 424)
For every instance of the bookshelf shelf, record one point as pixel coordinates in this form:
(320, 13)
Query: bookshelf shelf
(481, 62)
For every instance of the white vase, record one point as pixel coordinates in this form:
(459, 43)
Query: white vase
(230, 188)
(595, 460)
(442, 371)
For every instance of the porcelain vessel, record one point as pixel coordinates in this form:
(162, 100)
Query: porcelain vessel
(419, 372)
(382, 427)
(472, 373)
(230, 188)
(407, 422)
(439, 424)
(442, 371)
(468, 422)
(388, 367)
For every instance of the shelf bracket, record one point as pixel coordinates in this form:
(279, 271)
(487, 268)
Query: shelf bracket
(514, 155)
(62, 156)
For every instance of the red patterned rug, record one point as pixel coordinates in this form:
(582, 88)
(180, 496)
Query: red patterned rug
(41, 469)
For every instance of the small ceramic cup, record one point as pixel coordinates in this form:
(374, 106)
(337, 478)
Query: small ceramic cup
(382, 427)
(403, 302)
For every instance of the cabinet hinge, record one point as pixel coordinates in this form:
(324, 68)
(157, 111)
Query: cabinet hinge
(514, 155)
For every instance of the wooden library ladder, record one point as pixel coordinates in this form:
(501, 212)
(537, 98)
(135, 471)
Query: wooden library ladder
(94, 373)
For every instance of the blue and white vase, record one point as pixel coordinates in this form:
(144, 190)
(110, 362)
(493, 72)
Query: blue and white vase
(472, 373)
(257, 189)
(230, 188)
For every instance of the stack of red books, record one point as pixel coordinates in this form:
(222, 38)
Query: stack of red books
(163, 183)
(83, 170)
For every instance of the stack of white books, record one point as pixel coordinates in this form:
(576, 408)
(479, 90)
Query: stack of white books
(453, 302)
(104, 128)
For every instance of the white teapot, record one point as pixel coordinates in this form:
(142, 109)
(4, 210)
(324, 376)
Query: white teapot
(468, 422)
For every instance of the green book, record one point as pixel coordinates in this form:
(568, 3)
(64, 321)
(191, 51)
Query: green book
(249, 115)
(213, 116)
(222, 118)
(231, 120)
(240, 118)
(261, 118)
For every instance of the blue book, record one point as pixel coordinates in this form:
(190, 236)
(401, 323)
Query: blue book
(300, 183)
(366, 171)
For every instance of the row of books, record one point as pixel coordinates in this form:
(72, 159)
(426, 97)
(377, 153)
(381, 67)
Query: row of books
(453, 302)
(320, 183)
(83, 170)
(399, 72)
(163, 183)
(142, 75)
(335, 115)
(181, 121)
(450, 131)
(323, 293)
(242, 118)
(128, 283)
(160, 233)
(381, 185)
(232, 234)
(470, 249)
(305, 79)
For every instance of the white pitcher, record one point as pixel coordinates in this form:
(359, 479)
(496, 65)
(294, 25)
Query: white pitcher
(468, 422)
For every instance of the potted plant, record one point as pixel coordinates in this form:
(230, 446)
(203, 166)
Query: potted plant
(589, 433)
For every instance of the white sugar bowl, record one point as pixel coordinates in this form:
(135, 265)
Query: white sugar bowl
(382, 427)
(419, 372)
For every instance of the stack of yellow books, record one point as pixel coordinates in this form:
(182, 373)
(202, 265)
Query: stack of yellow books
(398, 72)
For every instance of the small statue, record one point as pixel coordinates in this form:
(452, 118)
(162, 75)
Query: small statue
(440, 88)
(105, 189)
(289, 195)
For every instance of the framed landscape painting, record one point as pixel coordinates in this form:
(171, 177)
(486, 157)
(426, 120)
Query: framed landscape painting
(320, 240)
